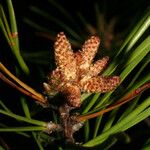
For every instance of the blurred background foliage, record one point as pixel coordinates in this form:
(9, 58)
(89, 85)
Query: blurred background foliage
(40, 21)
(38, 24)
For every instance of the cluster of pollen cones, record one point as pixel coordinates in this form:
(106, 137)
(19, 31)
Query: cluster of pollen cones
(76, 72)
